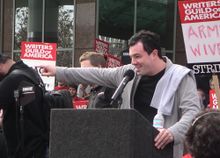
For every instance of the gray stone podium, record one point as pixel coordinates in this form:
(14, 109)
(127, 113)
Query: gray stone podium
(103, 133)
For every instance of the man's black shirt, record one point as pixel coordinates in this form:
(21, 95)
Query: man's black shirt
(144, 95)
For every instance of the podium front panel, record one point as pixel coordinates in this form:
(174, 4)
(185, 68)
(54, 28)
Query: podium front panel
(101, 133)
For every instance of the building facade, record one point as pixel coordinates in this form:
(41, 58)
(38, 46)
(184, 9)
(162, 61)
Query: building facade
(75, 24)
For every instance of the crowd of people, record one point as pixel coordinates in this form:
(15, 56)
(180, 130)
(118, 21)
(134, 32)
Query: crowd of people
(158, 86)
(96, 96)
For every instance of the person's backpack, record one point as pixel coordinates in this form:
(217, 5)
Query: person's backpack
(53, 99)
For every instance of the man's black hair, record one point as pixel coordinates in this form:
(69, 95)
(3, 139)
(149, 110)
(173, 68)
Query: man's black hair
(149, 39)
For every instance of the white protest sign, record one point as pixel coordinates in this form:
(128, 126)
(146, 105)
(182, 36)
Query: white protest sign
(35, 54)
(201, 30)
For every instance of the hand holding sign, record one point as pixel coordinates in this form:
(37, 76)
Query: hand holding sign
(38, 53)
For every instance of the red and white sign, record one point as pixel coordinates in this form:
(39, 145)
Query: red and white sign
(35, 54)
(80, 104)
(213, 102)
(201, 30)
(112, 61)
(101, 46)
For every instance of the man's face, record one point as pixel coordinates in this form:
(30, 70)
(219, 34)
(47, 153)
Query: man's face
(72, 91)
(86, 63)
(141, 60)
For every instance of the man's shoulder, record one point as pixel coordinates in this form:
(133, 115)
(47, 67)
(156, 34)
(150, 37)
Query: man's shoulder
(19, 75)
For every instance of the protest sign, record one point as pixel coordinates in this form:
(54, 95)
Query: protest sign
(101, 46)
(112, 61)
(80, 104)
(35, 54)
(200, 22)
(213, 102)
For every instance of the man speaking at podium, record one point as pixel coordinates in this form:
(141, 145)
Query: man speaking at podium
(159, 86)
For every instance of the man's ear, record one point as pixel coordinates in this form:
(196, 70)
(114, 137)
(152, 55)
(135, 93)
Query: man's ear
(154, 53)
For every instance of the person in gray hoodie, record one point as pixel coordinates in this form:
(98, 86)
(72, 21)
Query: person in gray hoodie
(158, 86)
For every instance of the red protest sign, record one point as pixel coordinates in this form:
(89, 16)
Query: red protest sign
(200, 25)
(199, 11)
(80, 104)
(112, 61)
(38, 51)
(35, 54)
(101, 46)
(213, 102)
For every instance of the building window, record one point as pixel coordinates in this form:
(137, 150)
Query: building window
(65, 26)
(45, 21)
(20, 28)
(121, 19)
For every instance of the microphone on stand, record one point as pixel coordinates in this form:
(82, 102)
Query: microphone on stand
(128, 76)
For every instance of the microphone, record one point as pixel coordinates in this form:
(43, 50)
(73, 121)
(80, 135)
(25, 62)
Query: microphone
(128, 76)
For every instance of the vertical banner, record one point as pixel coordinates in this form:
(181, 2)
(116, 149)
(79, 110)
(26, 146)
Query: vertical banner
(213, 101)
(35, 54)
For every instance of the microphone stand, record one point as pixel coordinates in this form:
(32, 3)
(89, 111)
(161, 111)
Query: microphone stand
(21, 121)
(20, 102)
(116, 102)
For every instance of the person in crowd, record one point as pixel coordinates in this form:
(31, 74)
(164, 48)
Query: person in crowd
(203, 89)
(60, 86)
(203, 98)
(73, 93)
(25, 128)
(202, 138)
(158, 86)
(72, 89)
(100, 96)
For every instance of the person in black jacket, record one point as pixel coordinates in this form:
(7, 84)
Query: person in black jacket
(25, 122)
